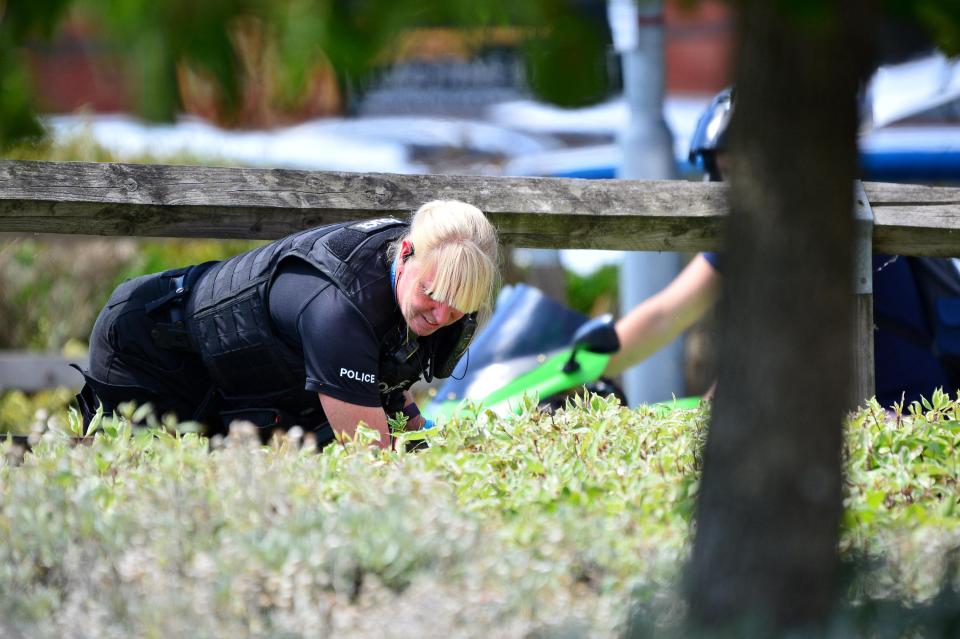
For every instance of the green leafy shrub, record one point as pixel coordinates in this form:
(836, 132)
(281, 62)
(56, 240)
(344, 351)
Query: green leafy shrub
(535, 525)
(902, 494)
(509, 526)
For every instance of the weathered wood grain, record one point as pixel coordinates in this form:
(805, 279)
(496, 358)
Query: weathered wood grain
(915, 220)
(180, 201)
(190, 201)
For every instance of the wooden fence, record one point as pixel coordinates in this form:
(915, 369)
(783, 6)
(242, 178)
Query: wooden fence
(187, 201)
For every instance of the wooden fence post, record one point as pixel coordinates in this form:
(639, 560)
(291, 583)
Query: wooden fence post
(863, 386)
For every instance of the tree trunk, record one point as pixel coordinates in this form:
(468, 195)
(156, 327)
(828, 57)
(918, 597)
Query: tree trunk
(770, 503)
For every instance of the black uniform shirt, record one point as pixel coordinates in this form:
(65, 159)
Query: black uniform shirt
(340, 337)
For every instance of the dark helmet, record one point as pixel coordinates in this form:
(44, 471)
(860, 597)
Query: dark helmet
(710, 136)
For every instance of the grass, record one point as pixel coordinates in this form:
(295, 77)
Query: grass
(538, 525)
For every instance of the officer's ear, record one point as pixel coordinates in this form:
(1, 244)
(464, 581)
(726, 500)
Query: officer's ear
(406, 251)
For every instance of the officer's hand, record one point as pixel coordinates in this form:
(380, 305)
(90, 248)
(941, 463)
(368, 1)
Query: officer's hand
(415, 420)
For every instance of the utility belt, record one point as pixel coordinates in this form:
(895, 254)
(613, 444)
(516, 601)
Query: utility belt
(169, 331)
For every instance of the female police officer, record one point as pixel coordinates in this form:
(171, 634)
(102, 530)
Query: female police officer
(324, 328)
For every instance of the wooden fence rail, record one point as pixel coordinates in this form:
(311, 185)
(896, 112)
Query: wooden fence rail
(190, 201)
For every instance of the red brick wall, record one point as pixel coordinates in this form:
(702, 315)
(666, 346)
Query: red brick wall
(698, 46)
(76, 72)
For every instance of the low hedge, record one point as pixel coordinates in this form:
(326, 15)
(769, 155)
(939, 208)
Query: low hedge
(536, 525)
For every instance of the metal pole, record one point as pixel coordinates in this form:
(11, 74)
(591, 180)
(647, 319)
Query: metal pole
(648, 154)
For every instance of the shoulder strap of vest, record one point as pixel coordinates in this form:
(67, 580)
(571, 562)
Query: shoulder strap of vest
(340, 253)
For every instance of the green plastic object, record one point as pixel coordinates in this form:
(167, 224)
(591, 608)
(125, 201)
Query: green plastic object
(678, 403)
(543, 381)
(547, 379)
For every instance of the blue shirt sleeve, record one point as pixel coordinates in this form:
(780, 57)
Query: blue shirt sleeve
(714, 259)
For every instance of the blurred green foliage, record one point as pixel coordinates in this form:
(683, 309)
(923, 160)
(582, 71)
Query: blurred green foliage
(20, 21)
(22, 413)
(594, 293)
(160, 39)
(564, 43)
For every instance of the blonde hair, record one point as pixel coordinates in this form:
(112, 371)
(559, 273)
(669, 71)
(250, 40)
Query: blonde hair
(458, 239)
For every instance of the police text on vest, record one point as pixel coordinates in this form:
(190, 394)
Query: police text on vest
(358, 376)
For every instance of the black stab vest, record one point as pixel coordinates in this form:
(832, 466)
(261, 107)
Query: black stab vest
(228, 316)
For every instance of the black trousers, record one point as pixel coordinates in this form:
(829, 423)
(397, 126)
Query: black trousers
(127, 365)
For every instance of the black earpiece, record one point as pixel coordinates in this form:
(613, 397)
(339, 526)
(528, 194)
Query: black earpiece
(408, 254)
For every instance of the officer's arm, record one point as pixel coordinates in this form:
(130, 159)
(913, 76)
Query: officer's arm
(344, 417)
(655, 322)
